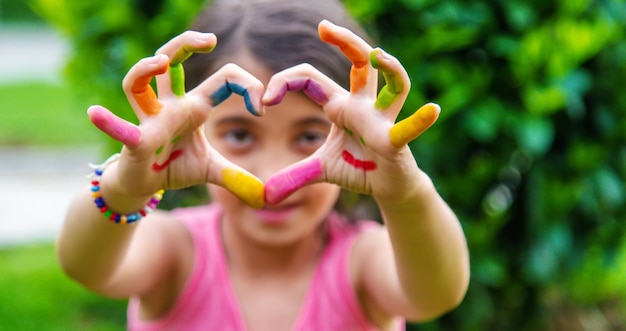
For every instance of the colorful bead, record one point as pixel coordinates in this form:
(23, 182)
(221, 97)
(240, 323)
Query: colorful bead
(119, 218)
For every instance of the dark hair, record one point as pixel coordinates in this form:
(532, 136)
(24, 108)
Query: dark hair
(279, 34)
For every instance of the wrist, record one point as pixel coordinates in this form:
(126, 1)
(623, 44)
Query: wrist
(113, 200)
(419, 189)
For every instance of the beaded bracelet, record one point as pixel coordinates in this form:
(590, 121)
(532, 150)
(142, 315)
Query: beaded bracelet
(104, 209)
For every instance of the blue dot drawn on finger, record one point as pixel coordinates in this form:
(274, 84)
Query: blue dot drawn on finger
(229, 88)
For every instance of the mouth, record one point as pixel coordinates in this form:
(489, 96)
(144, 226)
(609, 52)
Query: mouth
(275, 214)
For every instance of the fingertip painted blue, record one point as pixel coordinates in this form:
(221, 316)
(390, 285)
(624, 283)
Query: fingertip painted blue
(249, 105)
(240, 90)
(220, 95)
(235, 88)
(229, 88)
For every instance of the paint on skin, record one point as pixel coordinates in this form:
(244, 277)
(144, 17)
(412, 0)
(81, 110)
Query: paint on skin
(160, 149)
(121, 130)
(160, 167)
(351, 134)
(413, 126)
(355, 55)
(247, 187)
(229, 88)
(390, 93)
(184, 53)
(177, 79)
(359, 71)
(357, 163)
(180, 56)
(177, 71)
(145, 96)
(147, 101)
(310, 88)
(289, 180)
(358, 78)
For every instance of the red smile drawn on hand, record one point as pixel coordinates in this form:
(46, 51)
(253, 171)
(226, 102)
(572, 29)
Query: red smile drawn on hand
(175, 154)
(359, 164)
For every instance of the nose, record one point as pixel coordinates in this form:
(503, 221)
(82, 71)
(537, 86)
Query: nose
(272, 160)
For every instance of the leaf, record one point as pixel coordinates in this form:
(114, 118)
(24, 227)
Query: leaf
(543, 100)
(535, 134)
(548, 253)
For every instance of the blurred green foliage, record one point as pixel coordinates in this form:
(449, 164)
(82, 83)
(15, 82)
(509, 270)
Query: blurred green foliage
(529, 150)
(17, 11)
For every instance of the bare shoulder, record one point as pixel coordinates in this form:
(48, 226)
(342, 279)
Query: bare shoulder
(372, 241)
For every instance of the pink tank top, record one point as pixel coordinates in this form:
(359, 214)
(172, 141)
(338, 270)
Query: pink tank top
(208, 302)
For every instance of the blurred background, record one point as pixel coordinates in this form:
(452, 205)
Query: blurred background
(530, 149)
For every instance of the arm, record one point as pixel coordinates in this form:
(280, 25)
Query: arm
(430, 273)
(418, 268)
(168, 150)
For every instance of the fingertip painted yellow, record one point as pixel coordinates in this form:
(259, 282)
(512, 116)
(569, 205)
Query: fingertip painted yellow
(247, 187)
(413, 126)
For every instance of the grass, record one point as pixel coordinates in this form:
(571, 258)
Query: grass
(43, 114)
(36, 295)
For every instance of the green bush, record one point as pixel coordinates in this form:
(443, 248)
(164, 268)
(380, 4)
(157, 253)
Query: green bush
(12, 11)
(529, 151)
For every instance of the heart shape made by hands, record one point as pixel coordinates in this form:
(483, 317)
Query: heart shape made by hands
(363, 152)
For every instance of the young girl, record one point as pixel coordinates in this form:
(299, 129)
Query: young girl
(269, 253)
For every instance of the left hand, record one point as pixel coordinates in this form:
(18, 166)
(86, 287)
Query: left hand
(366, 151)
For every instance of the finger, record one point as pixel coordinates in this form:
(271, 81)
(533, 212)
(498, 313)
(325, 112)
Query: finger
(228, 80)
(235, 179)
(304, 77)
(413, 126)
(245, 186)
(285, 182)
(115, 127)
(180, 49)
(363, 78)
(397, 83)
(137, 87)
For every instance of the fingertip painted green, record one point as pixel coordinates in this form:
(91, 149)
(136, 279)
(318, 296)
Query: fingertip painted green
(386, 97)
(177, 78)
(374, 58)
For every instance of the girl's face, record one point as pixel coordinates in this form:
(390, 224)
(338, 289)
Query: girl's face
(288, 132)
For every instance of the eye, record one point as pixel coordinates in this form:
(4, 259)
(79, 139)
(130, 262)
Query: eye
(309, 141)
(239, 139)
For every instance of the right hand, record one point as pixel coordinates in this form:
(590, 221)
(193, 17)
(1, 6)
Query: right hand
(168, 149)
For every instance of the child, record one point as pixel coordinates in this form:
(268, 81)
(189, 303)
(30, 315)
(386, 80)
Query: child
(269, 253)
